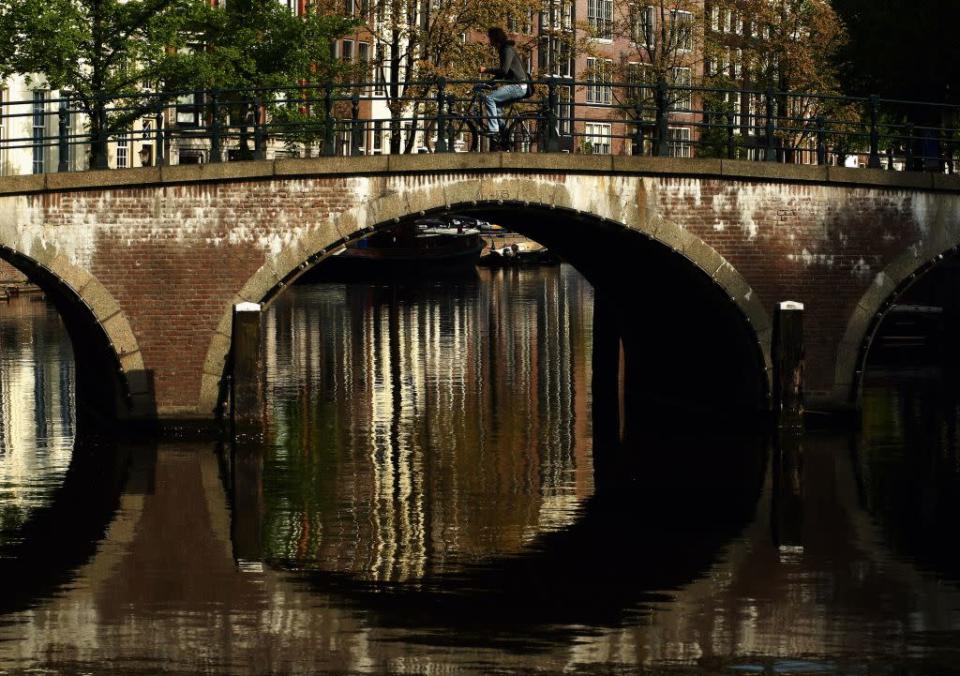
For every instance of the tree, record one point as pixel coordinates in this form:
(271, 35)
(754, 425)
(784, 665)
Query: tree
(778, 45)
(102, 52)
(901, 49)
(666, 58)
(255, 45)
(422, 40)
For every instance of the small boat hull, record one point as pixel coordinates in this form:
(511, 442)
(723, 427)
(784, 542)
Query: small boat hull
(455, 256)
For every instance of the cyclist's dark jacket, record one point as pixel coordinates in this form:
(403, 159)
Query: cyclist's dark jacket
(511, 67)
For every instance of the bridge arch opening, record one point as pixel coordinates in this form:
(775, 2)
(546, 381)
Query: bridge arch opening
(110, 384)
(693, 342)
(908, 321)
(352, 412)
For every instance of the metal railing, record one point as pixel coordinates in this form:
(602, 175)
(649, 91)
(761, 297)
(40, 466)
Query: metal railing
(562, 115)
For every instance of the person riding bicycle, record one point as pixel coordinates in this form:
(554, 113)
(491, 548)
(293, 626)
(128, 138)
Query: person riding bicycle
(511, 72)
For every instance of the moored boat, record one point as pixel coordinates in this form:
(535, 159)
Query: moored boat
(421, 248)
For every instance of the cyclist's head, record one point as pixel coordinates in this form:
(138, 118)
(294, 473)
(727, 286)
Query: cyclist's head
(496, 35)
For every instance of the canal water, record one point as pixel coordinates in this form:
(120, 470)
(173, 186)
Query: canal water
(426, 504)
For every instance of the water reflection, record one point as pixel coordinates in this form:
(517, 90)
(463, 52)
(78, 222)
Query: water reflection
(908, 464)
(384, 529)
(36, 409)
(417, 426)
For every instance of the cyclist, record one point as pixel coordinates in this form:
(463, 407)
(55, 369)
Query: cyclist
(511, 72)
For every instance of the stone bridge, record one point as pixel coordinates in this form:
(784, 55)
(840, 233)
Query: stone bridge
(688, 256)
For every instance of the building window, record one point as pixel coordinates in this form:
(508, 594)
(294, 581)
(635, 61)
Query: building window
(521, 24)
(123, 145)
(600, 18)
(349, 7)
(682, 27)
(682, 98)
(346, 51)
(597, 138)
(715, 18)
(553, 56)
(642, 82)
(556, 15)
(644, 21)
(363, 58)
(599, 89)
(678, 142)
(379, 75)
(39, 129)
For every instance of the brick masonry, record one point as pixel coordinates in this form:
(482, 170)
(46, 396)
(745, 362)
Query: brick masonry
(160, 255)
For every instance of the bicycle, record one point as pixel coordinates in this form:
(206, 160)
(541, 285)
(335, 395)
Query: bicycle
(518, 128)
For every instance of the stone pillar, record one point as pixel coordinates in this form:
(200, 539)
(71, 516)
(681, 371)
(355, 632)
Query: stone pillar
(246, 382)
(788, 365)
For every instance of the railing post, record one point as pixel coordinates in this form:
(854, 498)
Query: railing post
(874, 161)
(451, 130)
(731, 137)
(259, 142)
(771, 154)
(553, 140)
(638, 128)
(159, 135)
(356, 124)
(216, 150)
(821, 142)
(328, 145)
(441, 146)
(63, 132)
(660, 145)
(908, 148)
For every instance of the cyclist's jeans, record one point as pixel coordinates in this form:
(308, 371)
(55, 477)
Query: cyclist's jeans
(493, 100)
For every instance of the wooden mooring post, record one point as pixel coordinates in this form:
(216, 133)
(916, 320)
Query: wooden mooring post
(246, 382)
(788, 365)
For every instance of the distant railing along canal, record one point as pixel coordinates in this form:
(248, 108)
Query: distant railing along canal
(67, 133)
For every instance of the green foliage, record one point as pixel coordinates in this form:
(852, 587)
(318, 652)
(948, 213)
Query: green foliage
(99, 49)
(259, 43)
(122, 59)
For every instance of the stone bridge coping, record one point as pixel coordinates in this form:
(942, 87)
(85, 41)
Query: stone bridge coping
(478, 162)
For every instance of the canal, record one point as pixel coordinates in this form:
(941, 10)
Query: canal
(425, 502)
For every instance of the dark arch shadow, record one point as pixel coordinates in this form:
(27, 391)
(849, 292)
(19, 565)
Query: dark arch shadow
(909, 473)
(42, 555)
(629, 548)
(102, 390)
(688, 346)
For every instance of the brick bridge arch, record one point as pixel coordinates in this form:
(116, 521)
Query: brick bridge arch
(110, 382)
(281, 270)
(888, 285)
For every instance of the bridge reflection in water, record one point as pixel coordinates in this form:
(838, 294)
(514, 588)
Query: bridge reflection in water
(452, 523)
